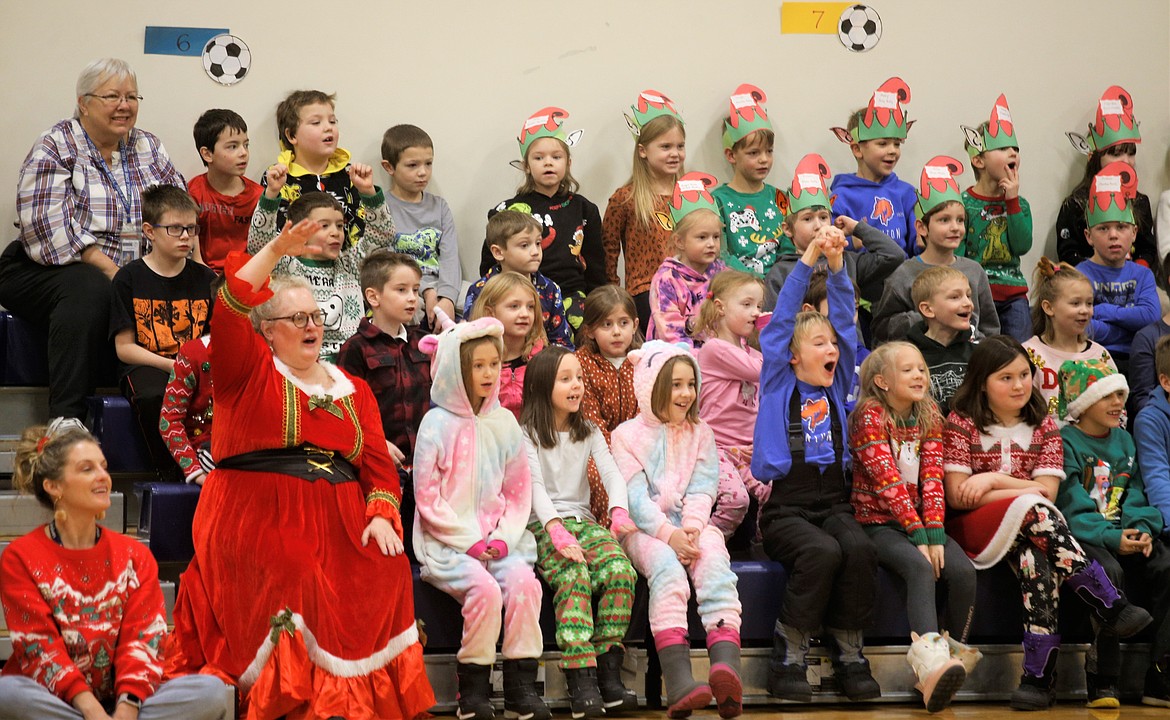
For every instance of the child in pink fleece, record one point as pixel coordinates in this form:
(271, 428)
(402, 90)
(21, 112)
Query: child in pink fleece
(473, 496)
(667, 456)
(731, 362)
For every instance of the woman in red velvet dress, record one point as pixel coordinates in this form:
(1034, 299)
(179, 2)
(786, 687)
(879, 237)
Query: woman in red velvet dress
(299, 592)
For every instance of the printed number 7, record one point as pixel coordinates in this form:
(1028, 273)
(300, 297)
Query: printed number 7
(183, 43)
(820, 14)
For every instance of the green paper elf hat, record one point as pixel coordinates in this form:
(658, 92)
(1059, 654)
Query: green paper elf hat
(883, 117)
(746, 116)
(808, 185)
(546, 122)
(1111, 195)
(938, 185)
(1000, 132)
(1115, 122)
(692, 192)
(650, 104)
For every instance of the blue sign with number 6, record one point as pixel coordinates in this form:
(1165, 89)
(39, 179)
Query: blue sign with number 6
(178, 40)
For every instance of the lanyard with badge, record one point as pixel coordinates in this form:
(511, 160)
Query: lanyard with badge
(130, 236)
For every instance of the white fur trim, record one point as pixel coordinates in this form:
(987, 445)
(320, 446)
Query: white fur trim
(1103, 386)
(328, 662)
(1009, 529)
(341, 385)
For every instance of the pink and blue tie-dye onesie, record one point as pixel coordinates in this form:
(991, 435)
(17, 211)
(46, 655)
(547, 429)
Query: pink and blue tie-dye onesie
(676, 293)
(473, 491)
(673, 476)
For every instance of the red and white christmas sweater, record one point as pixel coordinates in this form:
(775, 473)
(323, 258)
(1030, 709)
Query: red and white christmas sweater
(84, 619)
(897, 474)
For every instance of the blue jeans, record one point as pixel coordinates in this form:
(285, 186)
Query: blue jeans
(1015, 318)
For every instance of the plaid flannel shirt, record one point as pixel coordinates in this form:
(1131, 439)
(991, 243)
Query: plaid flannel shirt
(65, 201)
(398, 373)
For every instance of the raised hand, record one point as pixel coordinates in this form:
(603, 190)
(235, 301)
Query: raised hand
(276, 175)
(362, 177)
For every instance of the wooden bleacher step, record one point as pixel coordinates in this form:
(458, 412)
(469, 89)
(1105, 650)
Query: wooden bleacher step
(20, 514)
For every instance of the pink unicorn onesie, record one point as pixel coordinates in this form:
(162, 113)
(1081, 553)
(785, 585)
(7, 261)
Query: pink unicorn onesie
(473, 495)
(668, 457)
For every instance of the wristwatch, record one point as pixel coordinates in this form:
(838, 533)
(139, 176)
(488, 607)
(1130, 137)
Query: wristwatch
(130, 699)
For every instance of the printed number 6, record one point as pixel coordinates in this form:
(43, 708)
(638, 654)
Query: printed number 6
(183, 43)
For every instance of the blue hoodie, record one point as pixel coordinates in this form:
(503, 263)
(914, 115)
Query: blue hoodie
(1151, 434)
(887, 206)
(771, 459)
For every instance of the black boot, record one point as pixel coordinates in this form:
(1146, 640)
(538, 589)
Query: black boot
(786, 682)
(857, 681)
(1157, 689)
(474, 692)
(520, 698)
(683, 694)
(1108, 603)
(584, 697)
(614, 694)
(1037, 685)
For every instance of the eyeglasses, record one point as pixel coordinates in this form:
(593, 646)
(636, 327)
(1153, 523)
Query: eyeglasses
(302, 319)
(178, 230)
(116, 99)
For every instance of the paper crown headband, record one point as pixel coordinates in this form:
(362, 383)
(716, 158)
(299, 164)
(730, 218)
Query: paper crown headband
(547, 122)
(746, 116)
(938, 184)
(808, 185)
(883, 117)
(999, 133)
(1115, 123)
(1110, 194)
(650, 104)
(692, 192)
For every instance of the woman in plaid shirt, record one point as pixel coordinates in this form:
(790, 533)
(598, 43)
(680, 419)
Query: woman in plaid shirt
(80, 212)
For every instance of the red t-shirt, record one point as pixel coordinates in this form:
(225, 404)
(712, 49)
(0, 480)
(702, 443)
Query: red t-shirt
(223, 219)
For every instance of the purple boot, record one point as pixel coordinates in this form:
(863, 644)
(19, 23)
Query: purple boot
(1037, 690)
(1109, 604)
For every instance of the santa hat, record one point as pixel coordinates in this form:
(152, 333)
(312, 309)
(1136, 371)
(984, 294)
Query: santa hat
(546, 122)
(884, 116)
(1084, 382)
(1000, 132)
(648, 361)
(1115, 123)
(1110, 194)
(746, 116)
(808, 185)
(938, 185)
(692, 192)
(649, 105)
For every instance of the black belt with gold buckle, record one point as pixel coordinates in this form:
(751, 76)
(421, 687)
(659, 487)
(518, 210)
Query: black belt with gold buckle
(307, 462)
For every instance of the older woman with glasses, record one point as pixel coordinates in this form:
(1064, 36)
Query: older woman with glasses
(299, 591)
(83, 603)
(80, 213)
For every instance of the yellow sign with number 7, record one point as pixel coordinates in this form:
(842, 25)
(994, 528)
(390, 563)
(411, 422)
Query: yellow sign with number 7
(811, 18)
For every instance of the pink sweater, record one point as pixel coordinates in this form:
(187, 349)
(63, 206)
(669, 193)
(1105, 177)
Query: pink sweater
(730, 396)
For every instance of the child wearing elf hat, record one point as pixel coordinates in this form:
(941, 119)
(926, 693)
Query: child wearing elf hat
(1103, 499)
(680, 285)
(749, 206)
(875, 134)
(1113, 136)
(807, 522)
(809, 209)
(637, 221)
(1125, 296)
(574, 257)
(999, 221)
(941, 224)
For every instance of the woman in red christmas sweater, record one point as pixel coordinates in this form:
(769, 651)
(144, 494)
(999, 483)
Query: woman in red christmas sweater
(1003, 461)
(83, 603)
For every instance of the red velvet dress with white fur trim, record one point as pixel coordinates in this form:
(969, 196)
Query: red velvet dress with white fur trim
(281, 597)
